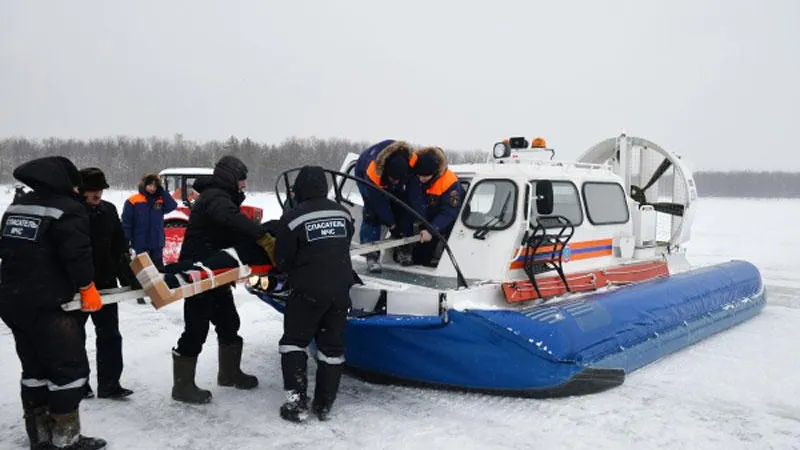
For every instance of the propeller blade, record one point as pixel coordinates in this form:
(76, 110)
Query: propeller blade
(657, 174)
(673, 209)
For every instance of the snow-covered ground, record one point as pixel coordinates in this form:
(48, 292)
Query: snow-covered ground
(736, 390)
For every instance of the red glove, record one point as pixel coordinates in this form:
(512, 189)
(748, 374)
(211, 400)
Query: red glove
(90, 299)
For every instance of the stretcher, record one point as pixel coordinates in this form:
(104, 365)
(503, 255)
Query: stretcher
(155, 287)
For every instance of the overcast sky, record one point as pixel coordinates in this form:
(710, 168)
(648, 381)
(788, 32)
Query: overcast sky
(718, 81)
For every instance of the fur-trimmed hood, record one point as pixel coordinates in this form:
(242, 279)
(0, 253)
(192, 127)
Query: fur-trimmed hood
(147, 179)
(400, 147)
(441, 158)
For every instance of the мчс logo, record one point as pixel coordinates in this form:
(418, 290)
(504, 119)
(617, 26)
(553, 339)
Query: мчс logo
(325, 229)
(22, 227)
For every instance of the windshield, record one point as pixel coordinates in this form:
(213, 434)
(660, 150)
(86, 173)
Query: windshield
(492, 205)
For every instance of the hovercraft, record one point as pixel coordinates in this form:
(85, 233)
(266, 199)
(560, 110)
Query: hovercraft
(560, 277)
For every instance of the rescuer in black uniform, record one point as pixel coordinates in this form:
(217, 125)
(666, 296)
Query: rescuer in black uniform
(46, 257)
(111, 255)
(313, 249)
(216, 223)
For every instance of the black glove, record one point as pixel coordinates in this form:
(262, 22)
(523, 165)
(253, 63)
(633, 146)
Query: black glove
(126, 276)
(271, 227)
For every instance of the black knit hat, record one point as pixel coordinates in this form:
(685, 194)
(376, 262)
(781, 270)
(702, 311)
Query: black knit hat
(427, 164)
(230, 170)
(93, 179)
(396, 166)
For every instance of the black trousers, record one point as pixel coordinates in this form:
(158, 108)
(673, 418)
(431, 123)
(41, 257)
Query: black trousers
(323, 319)
(215, 306)
(108, 344)
(50, 346)
(429, 253)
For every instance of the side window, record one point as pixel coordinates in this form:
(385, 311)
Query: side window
(492, 204)
(566, 202)
(192, 194)
(171, 182)
(605, 203)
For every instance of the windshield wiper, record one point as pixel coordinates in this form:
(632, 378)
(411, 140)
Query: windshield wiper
(481, 232)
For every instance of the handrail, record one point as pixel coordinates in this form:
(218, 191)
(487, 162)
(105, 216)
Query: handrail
(462, 282)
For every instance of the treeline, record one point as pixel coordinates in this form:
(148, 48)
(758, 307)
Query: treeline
(748, 184)
(125, 160)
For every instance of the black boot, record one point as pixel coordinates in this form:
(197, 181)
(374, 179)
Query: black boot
(66, 431)
(404, 256)
(296, 407)
(183, 388)
(327, 386)
(37, 424)
(230, 372)
(115, 392)
(294, 366)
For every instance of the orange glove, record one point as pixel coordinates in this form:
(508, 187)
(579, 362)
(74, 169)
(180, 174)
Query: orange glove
(90, 299)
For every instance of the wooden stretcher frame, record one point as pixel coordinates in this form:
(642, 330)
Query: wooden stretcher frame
(155, 287)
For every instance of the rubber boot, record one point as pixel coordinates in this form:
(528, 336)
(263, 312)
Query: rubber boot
(37, 424)
(327, 386)
(230, 372)
(294, 366)
(184, 389)
(66, 433)
(296, 407)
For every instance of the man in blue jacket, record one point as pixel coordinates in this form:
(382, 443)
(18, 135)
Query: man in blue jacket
(143, 219)
(387, 164)
(435, 194)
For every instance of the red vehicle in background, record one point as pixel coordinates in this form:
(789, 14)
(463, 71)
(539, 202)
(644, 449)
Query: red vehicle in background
(180, 182)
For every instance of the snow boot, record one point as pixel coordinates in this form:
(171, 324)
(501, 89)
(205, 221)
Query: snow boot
(184, 389)
(327, 386)
(322, 411)
(296, 407)
(37, 424)
(403, 256)
(66, 433)
(230, 372)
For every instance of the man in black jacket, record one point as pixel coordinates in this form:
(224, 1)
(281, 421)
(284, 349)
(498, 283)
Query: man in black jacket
(216, 223)
(313, 249)
(111, 256)
(46, 258)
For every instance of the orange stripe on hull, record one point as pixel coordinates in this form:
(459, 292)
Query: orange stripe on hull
(590, 255)
(522, 291)
(577, 250)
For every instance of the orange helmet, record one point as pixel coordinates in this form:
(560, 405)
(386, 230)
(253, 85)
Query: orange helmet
(539, 142)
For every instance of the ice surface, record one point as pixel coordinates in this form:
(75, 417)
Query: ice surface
(737, 390)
